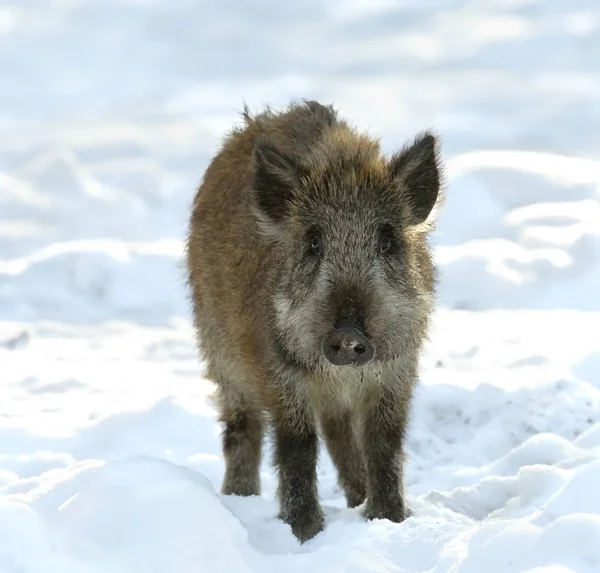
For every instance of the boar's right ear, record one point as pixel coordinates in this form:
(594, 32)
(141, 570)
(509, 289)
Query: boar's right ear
(275, 178)
(416, 170)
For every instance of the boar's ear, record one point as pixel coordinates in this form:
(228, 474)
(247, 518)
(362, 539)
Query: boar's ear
(275, 178)
(416, 171)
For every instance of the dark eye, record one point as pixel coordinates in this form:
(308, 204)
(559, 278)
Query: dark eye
(315, 243)
(385, 246)
(386, 241)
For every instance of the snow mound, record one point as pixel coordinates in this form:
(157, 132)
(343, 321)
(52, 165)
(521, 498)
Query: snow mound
(91, 281)
(510, 228)
(133, 514)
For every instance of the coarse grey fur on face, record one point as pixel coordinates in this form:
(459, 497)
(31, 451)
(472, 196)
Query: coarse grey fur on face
(351, 227)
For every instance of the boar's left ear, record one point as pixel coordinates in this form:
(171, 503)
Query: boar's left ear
(417, 172)
(275, 178)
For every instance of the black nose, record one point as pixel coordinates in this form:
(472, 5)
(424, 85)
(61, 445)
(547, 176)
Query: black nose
(347, 345)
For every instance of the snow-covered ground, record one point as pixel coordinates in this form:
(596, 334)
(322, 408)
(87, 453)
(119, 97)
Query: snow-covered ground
(109, 111)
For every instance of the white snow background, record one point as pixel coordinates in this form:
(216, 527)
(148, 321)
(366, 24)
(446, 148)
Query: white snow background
(110, 456)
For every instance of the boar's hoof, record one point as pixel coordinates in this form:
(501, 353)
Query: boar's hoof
(393, 509)
(305, 523)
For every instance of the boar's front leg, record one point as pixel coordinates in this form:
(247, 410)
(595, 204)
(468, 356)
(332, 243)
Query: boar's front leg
(346, 454)
(296, 446)
(383, 431)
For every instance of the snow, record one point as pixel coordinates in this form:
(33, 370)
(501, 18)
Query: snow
(110, 454)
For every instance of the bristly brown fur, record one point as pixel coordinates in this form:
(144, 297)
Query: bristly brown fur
(284, 243)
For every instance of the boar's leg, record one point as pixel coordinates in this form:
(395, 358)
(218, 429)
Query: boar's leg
(296, 448)
(383, 429)
(346, 455)
(242, 449)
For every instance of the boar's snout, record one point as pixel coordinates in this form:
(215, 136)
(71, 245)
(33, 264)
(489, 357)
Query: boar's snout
(347, 345)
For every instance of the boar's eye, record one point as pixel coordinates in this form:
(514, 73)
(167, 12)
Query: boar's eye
(386, 245)
(315, 242)
(386, 240)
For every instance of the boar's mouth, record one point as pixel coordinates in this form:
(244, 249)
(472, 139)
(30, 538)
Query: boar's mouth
(347, 345)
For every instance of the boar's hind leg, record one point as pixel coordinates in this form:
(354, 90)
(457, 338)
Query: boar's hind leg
(346, 455)
(383, 429)
(242, 448)
(296, 448)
